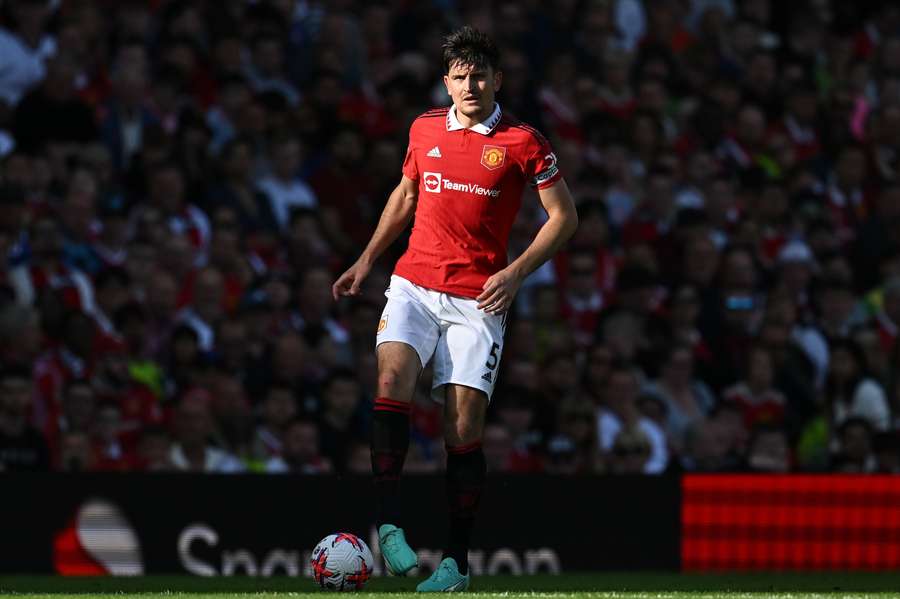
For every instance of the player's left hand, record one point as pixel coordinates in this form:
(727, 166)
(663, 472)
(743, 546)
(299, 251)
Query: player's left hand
(499, 291)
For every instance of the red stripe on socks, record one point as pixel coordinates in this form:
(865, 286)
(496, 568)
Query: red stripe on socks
(467, 448)
(391, 405)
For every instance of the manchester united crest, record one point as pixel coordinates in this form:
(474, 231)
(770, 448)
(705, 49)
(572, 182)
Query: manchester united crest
(493, 157)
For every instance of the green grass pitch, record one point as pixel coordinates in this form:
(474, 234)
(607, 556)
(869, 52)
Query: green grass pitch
(574, 586)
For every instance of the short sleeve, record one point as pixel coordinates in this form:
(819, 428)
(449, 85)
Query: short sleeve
(541, 170)
(410, 168)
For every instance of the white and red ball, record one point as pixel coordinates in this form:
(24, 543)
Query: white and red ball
(342, 562)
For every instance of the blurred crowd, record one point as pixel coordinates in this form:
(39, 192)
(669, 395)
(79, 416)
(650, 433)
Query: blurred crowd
(181, 182)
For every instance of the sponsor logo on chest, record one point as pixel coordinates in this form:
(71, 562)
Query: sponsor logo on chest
(436, 182)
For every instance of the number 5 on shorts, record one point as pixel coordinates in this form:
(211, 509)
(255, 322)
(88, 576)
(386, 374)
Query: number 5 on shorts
(493, 357)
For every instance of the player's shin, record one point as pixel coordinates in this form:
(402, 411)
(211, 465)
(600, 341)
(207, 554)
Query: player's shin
(390, 442)
(466, 473)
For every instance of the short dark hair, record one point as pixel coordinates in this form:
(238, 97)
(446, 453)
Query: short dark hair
(469, 46)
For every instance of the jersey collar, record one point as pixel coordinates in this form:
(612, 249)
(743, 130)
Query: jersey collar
(484, 127)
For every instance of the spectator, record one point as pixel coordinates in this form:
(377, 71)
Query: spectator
(684, 322)
(563, 458)
(127, 116)
(24, 48)
(686, 398)
(206, 308)
(154, 450)
(57, 367)
(313, 319)
(836, 308)
(53, 113)
(558, 385)
(340, 420)
(22, 447)
(759, 401)
(306, 241)
(134, 386)
(20, 336)
(111, 287)
(112, 454)
(232, 414)
(886, 447)
(768, 451)
(582, 298)
(111, 245)
(854, 447)
(186, 366)
(161, 297)
(191, 450)
(76, 454)
(237, 190)
(79, 410)
(705, 448)
(794, 373)
(576, 437)
(47, 271)
(289, 362)
(359, 460)
(232, 354)
(278, 409)
(516, 413)
(499, 452)
(283, 188)
(301, 451)
(343, 195)
(620, 412)
(630, 452)
(266, 71)
(850, 392)
(222, 118)
(596, 372)
(167, 194)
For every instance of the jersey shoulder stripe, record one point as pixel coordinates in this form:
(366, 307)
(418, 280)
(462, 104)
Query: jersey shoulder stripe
(434, 113)
(512, 121)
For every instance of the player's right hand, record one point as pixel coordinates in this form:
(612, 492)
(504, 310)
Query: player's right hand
(349, 282)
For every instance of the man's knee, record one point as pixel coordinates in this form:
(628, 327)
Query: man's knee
(398, 369)
(393, 381)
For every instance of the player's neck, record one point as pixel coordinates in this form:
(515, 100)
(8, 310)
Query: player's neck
(470, 121)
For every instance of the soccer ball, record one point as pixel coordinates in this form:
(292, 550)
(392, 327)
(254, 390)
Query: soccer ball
(342, 562)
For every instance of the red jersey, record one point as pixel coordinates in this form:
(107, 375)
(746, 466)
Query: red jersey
(470, 185)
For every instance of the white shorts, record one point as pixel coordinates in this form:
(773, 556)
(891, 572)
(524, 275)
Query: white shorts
(466, 342)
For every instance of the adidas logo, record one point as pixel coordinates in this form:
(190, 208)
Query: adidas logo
(486, 376)
(434, 152)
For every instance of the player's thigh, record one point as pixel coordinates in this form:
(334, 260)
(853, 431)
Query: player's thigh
(405, 341)
(465, 409)
(468, 352)
(398, 370)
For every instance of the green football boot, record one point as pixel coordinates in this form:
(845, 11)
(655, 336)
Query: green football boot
(398, 557)
(445, 579)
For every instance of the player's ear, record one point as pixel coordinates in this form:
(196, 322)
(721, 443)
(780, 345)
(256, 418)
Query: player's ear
(498, 80)
(447, 84)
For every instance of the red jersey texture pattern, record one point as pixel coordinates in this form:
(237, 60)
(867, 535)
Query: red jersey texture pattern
(470, 190)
